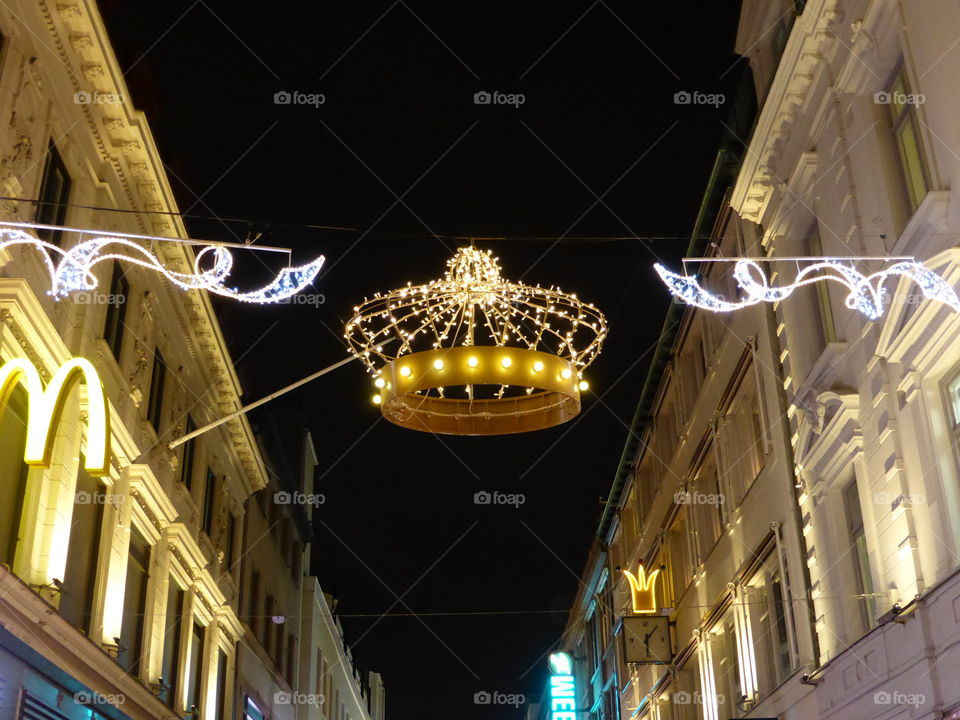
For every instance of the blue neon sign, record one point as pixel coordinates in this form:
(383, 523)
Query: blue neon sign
(563, 695)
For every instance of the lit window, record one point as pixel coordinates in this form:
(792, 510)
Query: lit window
(905, 126)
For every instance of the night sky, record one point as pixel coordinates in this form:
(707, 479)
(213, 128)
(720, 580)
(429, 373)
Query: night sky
(400, 152)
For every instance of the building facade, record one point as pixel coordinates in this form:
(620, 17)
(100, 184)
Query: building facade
(792, 469)
(120, 585)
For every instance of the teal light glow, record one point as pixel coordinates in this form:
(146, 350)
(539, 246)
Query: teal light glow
(563, 695)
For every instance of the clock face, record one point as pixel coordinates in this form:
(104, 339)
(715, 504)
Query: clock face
(646, 639)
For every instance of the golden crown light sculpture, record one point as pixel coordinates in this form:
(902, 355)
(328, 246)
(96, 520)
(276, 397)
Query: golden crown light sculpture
(643, 590)
(474, 354)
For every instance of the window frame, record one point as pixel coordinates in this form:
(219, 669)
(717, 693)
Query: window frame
(44, 215)
(158, 378)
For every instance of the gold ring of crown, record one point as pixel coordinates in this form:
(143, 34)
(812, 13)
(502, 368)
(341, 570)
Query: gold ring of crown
(408, 380)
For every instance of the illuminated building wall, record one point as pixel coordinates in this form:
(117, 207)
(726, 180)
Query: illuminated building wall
(825, 584)
(120, 593)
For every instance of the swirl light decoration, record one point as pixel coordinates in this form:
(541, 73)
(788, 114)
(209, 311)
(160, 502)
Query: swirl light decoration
(866, 291)
(72, 272)
(474, 354)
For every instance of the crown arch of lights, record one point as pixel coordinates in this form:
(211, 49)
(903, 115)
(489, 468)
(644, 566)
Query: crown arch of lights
(72, 270)
(474, 354)
(866, 292)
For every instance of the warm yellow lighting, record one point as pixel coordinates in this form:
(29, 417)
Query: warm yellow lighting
(45, 408)
(537, 366)
(379, 382)
(472, 361)
(584, 385)
(566, 374)
(506, 362)
(642, 590)
(377, 399)
(405, 371)
(438, 364)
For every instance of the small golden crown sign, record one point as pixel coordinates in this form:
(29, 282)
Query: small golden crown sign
(642, 590)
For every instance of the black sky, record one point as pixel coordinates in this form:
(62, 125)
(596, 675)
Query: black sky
(399, 81)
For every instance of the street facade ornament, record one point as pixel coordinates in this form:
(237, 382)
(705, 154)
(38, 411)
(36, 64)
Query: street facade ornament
(866, 292)
(474, 354)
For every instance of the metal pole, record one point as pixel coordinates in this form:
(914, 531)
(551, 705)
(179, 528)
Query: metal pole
(258, 403)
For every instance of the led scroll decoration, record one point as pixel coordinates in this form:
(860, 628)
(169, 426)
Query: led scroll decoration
(474, 354)
(73, 271)
(866, 291)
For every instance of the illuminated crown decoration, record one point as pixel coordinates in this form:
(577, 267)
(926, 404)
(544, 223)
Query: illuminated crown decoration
(866, 291)
(643, 590)
(73, 272)
(474, 354)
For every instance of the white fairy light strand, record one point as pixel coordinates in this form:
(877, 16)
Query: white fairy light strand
(73, 272)
(866, 294)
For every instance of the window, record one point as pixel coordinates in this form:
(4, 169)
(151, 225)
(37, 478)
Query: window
(253, 603)
(744, 443)
(189, 451)
(13, 470)
(196, 668)
(209, 501)
(766, 610)
(863, 582)
(76, 600)
(54, 194)
(818, 296)
(321, 672)
(291, 657)
(278, 650)
(726, 666)
(134, 603)
(116, 310)
(251, 711)
(221, 684)
(230, 540)
(681, 566)
(953, 391)
(157, 379)
(267, 623)
(905, 127)
(706, 504)
(170, 672)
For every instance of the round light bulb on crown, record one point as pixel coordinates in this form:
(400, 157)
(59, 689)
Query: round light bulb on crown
(473, 361)
(506, 362)
(538, 366)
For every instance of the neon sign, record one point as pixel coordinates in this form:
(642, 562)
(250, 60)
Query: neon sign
(563, 694)
(45, 408)
(642, 590)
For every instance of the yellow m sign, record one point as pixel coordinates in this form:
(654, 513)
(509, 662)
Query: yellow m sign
(45, 407)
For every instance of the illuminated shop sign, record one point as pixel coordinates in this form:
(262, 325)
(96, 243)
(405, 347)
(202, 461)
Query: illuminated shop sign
(563, 695)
